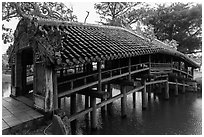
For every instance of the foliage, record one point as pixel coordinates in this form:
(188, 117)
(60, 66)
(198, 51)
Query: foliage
(121, 13)
(179, 22)
(18, 9)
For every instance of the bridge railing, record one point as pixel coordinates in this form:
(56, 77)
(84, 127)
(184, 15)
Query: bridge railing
(92, 79)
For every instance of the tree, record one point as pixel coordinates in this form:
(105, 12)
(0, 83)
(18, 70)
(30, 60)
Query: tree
(122, 14)
(43, 9)
(180, 22)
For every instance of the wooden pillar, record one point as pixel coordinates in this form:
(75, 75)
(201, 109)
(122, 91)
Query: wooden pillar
(176, 88)
(103, 109)
(55, 90)
(93, 113)
(73, 111)
(149, 90)
(13, 80)
(184, 88)
(110, 105)
(86, 105)
(166, 93)
(99, 83)
(123, 101)
(144, 96)
(134, 99)
(129, 68)
(19, 77)
(192, 72)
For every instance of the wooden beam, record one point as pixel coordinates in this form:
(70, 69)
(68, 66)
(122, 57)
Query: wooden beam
(94, 93)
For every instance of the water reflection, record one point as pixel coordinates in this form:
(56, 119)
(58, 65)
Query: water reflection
(178, 115)
(6, 89)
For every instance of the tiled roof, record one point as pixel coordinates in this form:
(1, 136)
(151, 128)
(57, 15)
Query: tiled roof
(75, 43)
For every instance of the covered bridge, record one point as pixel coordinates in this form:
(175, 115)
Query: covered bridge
(68, 58)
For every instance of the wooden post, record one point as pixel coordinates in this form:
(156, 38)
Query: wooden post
(93, 113)
(123, 101)
(19, 77)
(176, 88)
(166, 93)
(144, 96)
(183, 89)
(55, 90)
(110, 105)
(99, 83)
(73, 111)
(134, 99)
(86, 106)
(129, 68)
(13, 80)
(149, 90)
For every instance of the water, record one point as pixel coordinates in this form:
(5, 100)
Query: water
(180, 115)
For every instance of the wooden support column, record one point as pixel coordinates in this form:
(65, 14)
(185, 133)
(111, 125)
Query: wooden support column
(134, 99)
(129, 68)
(93, 113)
(110, 105)
(19, 76)
(99, 83)
(184, 88)
(149, 90)
(144, 96)
(192, 72)
(150, 86)
(123, 101)
(129, 78)
(166, 92)
(55, 90)
(86, 105)
(13, 80)
(73, 111)
(176, 88)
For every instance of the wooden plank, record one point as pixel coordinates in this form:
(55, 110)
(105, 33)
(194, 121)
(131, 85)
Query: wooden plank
(155, 82)
(135, 90)
(95, 93)
(49, 89)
